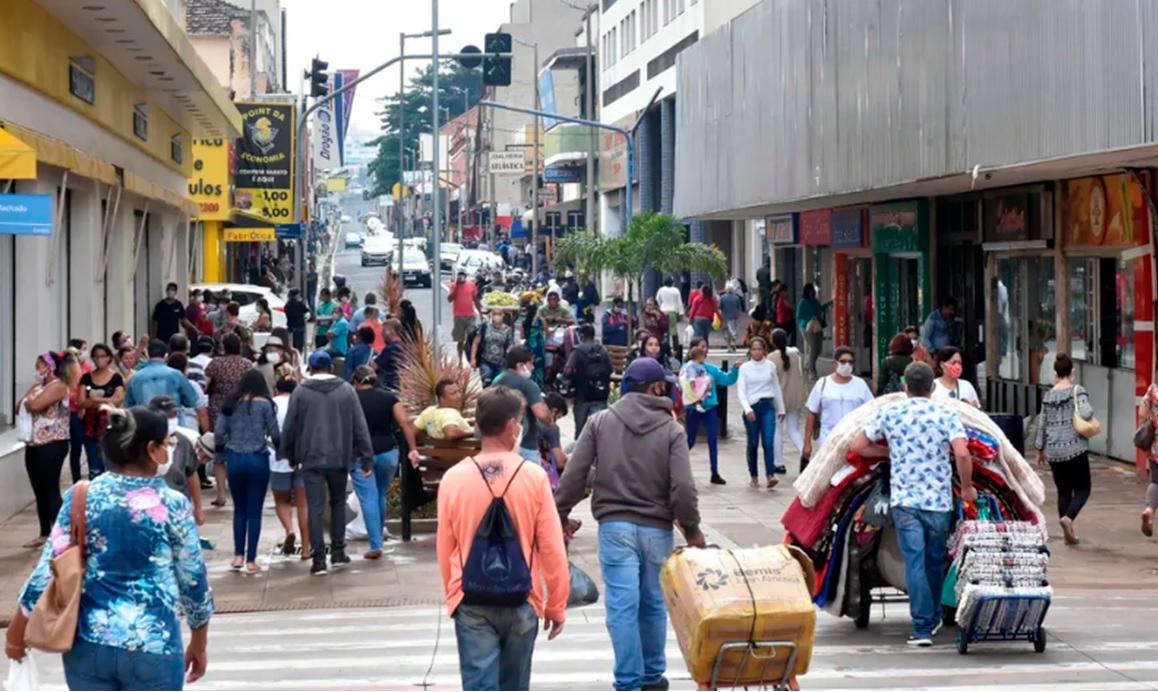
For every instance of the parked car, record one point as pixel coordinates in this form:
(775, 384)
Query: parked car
(246, 296)
(377, 249)
(353, 239)
(415, 268)
(474, 261)
(450, 253)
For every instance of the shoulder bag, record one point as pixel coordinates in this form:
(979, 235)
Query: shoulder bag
(1085, 428)
(52, 625)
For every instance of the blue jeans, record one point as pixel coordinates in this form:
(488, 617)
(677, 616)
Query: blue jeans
(96, 462)
(298, 337)
(248, 475)
(495, 646)
(371, 493)
(630, 556)
(89, 666)
(531, 455)
(762, 431)
(584, 410)
(710, 419)
(923, 536)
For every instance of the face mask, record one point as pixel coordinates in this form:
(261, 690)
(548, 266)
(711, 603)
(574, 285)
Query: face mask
(273, 357)
(844, 369)
(163, 467)
(170, 295)
(101, 362)
(953, 370)
(41, 377)
(173, 425)
(916, 343)
(524, 371)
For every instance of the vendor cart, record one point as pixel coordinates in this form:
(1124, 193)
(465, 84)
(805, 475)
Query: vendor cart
(768, 653)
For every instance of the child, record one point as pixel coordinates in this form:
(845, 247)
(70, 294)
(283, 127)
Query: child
(554, 459)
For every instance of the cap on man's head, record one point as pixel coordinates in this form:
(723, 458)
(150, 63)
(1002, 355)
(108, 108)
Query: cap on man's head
(647, 370)
(163, 403)
(321, 360)
(207, 444)
(275, 341)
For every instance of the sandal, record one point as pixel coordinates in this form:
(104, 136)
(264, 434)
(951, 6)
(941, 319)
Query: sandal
(218, 503)
(289, 544)
(773, 481)
(755, 482)
(1148, 522)
(36, 542)
(252, 569)
(237, 564)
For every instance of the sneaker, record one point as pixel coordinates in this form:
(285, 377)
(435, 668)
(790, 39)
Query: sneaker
(718, 480)
(936, 629)
(660, 685)
(781, 470)
(289, 545)
(1147, 522)
(318, 569)
(339, 558)
(923, 642)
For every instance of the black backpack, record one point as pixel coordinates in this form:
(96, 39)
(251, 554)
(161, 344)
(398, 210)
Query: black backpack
(496, 572)
(893, 384)
(593, 376)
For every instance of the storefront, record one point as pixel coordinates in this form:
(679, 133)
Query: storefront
(901, 267)
(960, 266)
(852, 310)
(783, 231)
(816, 244)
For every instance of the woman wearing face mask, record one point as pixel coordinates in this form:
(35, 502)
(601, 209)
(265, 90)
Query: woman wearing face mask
(290, 355)
(102, 387)
(950, 385)
(763, 404)
(127, 361)
(833, 398)
(47, 401)
(288, 486)
(245, 431)
(143, 569)
(698, 381)
(264, 321)
(489, 348)
(272, 355)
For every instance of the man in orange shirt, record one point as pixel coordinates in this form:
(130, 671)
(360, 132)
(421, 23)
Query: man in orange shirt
(464, 296)
(496, 642)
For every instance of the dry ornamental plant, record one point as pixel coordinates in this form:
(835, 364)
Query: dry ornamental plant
(419, 371)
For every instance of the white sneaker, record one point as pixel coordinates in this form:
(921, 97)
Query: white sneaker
(923, 642)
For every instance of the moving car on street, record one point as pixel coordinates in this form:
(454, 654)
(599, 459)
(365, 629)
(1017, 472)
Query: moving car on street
(353, 239)
(377, 249)
(473, 261)
(246, 296)
(415, 268)
(450, 253)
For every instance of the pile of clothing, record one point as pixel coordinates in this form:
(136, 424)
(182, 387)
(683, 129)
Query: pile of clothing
(841, 515)
(1004, 559)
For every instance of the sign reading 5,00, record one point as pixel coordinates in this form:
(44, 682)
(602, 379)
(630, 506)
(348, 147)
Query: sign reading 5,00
(265, 161)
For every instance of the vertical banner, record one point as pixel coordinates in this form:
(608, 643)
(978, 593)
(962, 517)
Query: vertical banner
(841, 334)
(348, 97)
(265, 161)
(324, 139)
(337, 80)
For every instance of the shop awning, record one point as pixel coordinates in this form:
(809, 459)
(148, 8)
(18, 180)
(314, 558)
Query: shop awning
(150, 190)
(17, 159)
(55, 152)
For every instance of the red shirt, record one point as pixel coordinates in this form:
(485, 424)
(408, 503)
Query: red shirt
(784, 312)
(703, 307)
(464, 295)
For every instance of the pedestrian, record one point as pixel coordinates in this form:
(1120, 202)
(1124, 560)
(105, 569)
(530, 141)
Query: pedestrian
(195, 312)
(104, 386)
(655, 322)
(286, 483)
(193, 418)
(759, 326)
(323, 317)
(784, 314)
(156, 378)
(762, 400)
(143, 569)
(371, 300)
(937, 332)
(44, 454)
(361, 353)
(698, 380)
(464, 298)
(296, 314)
(790, 371)
(372, 319)
(127, 361)
(312, 287)
(384, 414)
(893, 367)
(182, 475)
(731, 308)
(411, 326)
(1058, 442)
(444, 420)
(232, 324)
(489, 347)
(203, 350)
(922, 438)
(671, 304)
(324, 433)
(168, 315)
(179, 346)
(764, 284)
(832, 398)
(338, 335)
(589, 367)
(78, 348)
(264, 320)
(950, 385)
(245, 431)
(616, 324)
(517, 376)
(810, 318)
(496, 612)
(647, 346)
(289, 356)
(1148, 415)
(703, 310)
(643, 486)
(221, 378)
(553, 458)
(571, 294)
(588, 301)
(388, 361)
(272, 356)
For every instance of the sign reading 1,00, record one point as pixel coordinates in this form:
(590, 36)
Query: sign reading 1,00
(277, 204)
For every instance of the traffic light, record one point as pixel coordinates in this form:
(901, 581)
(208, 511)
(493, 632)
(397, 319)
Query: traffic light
(319, 78)
(497, 71)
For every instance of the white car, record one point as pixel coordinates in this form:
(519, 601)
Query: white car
(415, 267)
(246, 296)
(378, 249)
(353, 239)
(473, 261)
(450, 253)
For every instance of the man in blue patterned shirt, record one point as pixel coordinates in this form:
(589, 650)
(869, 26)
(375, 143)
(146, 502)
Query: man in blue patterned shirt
(921, 437)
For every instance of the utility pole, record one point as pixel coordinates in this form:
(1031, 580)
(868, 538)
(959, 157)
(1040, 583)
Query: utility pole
(401, 144)
(535, 172)
(436, 298)
(589, 113)
(253, 48)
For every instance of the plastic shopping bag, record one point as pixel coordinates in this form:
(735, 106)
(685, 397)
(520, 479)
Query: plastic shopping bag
(583, 589)
(24, 424)
(355, 520)
(22, 675)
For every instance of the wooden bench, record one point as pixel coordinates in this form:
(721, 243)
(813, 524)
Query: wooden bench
(437, 457)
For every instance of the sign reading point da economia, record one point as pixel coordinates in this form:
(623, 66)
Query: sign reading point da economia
(265, 161)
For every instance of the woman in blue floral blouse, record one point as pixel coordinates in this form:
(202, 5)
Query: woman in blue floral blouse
(144, 568)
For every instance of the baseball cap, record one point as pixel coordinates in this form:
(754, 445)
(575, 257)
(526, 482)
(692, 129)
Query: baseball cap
(647, 370)
(321, 360)
(275, 341)
(165, 404)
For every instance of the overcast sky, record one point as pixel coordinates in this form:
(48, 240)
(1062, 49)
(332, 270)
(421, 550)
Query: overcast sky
(361, 34)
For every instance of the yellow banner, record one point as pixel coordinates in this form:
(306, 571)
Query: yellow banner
(265, 161)
(209, 186)
(335, 185)
(250, 235)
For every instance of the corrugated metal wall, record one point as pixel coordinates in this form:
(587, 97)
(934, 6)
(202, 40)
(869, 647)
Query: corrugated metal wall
(805, 98)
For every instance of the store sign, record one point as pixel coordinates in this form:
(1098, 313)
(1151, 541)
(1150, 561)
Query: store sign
(250, 235)
(265, 161)
(81, 83)
(848, 228)
(840, 327)
(1007, 217)
(782, 229)
(26, 214)
(816, 227)
(209, 184)
(899, 227)
(288, 231)
(1104, 211)
(324, 139)
(562, 175)
(507, 162)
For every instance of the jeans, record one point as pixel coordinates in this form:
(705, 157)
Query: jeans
(702, 327)
(630, 556)
(321, 483)
(923, 535)
(762, 431)
(298, 337)
(89, 666)
(75, 444)
(488, 371)
(371, 493)
(248, 474)
(710, 420)
(531, 455)
(96, 462)
(584, 410)
(495, 646)
(790, 428)
(1072, 478)
(43, 464)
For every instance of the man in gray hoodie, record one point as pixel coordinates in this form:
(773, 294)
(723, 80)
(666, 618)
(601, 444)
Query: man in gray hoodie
(324, 432)
(637, 455)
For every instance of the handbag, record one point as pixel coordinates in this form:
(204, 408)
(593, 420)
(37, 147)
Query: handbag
(52, 625)
(1144, 435)
(1085, 428)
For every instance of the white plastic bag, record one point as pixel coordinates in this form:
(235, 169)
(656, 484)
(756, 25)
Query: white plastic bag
(356, 526)
(689, 333)
(22, 675)
(23, 424)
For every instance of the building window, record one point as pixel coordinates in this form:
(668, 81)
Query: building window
(1102, 311)
(668, 11)
(82, 79)
(607, 4)
(177, 149)
(141, 121)
(680, 7)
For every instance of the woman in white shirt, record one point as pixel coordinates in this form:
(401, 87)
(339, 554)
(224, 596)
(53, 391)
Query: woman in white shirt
(950, 385)
(790, 369)
(288, 486)
(833, 398)
(763, 403)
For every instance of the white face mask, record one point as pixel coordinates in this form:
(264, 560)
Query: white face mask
(916, 343)
(525, 371)
(163, 468)
(173, 425)
(844, 369)
(273, 357)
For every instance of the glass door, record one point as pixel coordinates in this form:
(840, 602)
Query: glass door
(860, 308)
(907, 270)
(1012, 312)
(1027, 328)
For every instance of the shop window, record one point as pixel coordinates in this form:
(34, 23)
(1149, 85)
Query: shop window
(1083, 303)
(1027, 329)
(1102, 311)
(1124, 314)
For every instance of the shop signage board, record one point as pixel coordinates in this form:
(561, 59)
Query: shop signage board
(560, 174)
(899, 235)
(250, 235)
(265, 161)
(848, 228)
(816, 227)
(1104, 211)
(209, 184)
(26, 214)
(1007, 217)
(900, 227)
(324, 139)
(840, 331)
(507, 162)
(783, 229)
(288, 231)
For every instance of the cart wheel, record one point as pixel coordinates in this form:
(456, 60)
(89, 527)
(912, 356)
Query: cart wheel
(1039, 640)
(948, 615)
(962, 645)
